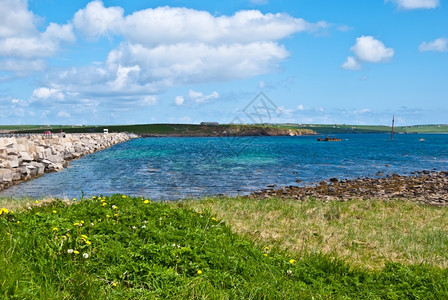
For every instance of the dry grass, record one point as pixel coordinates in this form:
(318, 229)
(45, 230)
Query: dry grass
(365, 233)
(24, 203)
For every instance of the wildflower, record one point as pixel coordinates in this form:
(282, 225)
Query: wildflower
(114, 284)
(76, 252)
(116, 215)
(4, 211)
(292, 261)
(199, 272)
(85, 255)
(289, 272)
(36, 201)
(70, 251)
(18, 222)
(76, 224)
(83, 236)
(93, 197)
(124, 196)
(11, 212)
(82, 222)
(99, 220)
(88, 243)
(114, 207)
(74, 199)
(265, 254)
(104, 204)
(55, 229)
(214, 219)
(38, 213)
(266, 248)
(63, 237)
(107, 216)
(92, 224)
(144, 226)
(54, 211)
(146, 201)
(133, 227)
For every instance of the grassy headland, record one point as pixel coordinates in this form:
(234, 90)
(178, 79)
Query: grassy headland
(121, 247)
(222, 130)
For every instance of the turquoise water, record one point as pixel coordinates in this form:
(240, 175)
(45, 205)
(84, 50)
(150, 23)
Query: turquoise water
(173, 168)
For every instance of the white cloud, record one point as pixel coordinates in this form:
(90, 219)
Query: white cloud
(417, 4)
(199, 97)
(63, 114)
(22, 46)
(369, 49)
(47, 93)
(179, 100)
(16, 19)
(300, 107)
(440, 45)
(96, 20)
(351, 64)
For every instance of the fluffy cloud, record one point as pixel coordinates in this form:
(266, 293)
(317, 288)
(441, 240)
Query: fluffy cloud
(46, 93)
(417, 4)
(199, 97)
(179, 100)
(351, 64)
(165, 47)
(367, 49)
(20, 41)
(96, 20)
(440, 45)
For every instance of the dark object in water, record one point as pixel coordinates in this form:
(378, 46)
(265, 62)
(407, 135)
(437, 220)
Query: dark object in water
(329, 139)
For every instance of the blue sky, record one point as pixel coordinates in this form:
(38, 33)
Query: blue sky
(316, 61)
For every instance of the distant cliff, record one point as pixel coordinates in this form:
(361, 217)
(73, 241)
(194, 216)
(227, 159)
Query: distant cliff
(229, 130)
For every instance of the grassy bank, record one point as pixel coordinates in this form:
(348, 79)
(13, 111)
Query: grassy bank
(120, 247)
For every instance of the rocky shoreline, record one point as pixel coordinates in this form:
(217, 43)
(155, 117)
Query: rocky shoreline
(25, 157)
(424, 187)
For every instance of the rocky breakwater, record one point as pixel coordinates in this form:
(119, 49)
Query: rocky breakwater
(23, 158)
(424, 187)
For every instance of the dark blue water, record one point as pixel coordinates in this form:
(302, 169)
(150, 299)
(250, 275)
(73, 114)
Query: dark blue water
(173, 168)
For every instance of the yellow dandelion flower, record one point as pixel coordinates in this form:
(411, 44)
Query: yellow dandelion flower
(74, 199)
(84, 237)
(266, 248)
(114, 284)
(55, 229)
(82, 222)
(107, 216)
(265, 254)
(292, 261)
(4, 211)
(124, 196)
(104, 204)
(199, 272)
(36, 201)
(18, 222)
(93, 197)
(116, 215)
(76, 224)
(88, 243)
(76, 252)
(54, 211)
(214, 219)
(146, 201)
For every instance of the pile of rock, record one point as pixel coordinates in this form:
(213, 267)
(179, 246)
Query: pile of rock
(424, 187)
(23, 158)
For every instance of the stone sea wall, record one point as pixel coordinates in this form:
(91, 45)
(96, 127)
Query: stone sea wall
(25, 157)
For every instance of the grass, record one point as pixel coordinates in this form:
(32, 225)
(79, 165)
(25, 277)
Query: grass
(365, 233)
(129, 248)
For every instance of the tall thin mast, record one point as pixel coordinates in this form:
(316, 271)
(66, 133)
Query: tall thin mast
(392, 132)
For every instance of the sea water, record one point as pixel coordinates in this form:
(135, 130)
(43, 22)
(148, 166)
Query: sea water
(174, 168)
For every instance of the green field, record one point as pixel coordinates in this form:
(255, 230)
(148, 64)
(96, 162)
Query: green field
(191, 129)
(121, 247)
